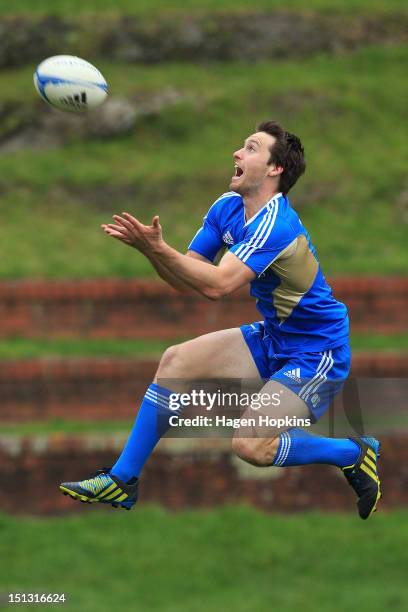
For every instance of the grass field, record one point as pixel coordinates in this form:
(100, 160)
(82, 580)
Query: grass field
(27, 348)
(52, 426)
(227, 559)
(348, 109)
(71, 8)
(24, 348)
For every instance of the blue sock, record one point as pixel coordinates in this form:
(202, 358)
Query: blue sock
(298, 447)
(151, 424)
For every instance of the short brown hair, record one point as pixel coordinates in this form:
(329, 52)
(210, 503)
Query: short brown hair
(286, 152)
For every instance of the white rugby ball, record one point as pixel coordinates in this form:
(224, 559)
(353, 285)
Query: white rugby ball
(70, 83)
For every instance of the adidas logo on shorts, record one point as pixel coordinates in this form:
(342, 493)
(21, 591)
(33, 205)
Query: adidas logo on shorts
(294, 374)
(227, 238)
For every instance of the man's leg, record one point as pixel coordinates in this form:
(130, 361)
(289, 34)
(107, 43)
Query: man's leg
(270, 446)
(222, 354)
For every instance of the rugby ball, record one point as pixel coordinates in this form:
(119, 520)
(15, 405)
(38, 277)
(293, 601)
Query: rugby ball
(70, 83)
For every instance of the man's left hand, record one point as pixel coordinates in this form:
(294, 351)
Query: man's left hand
(127, 229)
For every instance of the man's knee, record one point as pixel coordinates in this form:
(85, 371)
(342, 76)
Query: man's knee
(256, 451)
(171, 362)
(168, 358)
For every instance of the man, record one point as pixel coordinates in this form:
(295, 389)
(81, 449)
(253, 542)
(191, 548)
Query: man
(300, 350)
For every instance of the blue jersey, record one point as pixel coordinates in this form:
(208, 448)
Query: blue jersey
(291, 292)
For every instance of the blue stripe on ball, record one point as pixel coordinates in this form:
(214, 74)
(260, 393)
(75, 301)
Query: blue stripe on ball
(44, 80)
(41, 84)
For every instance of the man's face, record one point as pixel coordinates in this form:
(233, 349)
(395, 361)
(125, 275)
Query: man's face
(251, 164)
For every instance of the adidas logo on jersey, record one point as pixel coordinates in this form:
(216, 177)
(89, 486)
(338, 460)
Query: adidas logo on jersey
(294, 374)
(227, 238)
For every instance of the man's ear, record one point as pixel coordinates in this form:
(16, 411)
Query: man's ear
(275, 170)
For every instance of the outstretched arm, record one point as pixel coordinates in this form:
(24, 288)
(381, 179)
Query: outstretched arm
(121, 233)
(211, 281)
(169, 277)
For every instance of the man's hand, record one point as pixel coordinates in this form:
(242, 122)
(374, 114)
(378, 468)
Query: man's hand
(180, 271)
(127, 229)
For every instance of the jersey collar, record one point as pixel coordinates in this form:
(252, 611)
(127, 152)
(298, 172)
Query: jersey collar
(246, 223)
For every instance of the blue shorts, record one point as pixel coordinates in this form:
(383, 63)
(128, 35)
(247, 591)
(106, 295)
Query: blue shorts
(315, 377)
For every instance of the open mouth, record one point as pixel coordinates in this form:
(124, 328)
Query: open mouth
(238, 172)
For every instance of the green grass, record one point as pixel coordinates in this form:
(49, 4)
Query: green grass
(348, 109)
(154, 8)
(379, 342)
(226, 559)
(29, 348)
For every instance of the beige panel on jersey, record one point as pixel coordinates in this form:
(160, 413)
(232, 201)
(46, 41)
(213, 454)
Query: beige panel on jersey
(296, 267)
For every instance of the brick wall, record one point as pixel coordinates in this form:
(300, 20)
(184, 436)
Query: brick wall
(147, 309)
(112, 388)
(194, 474)
(200, 473)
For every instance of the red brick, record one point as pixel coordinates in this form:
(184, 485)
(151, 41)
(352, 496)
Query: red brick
(112, 388)
(102, 308)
